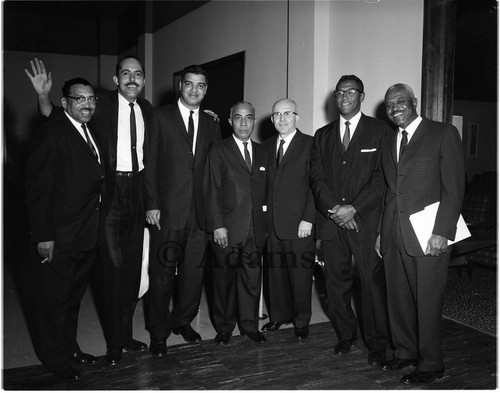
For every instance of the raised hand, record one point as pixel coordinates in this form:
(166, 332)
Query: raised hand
(40, 79)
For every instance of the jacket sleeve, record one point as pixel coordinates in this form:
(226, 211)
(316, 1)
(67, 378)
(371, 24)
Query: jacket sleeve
(212, 186)
(322, 195)
(151, 197)
(452, 174)
(40, 180)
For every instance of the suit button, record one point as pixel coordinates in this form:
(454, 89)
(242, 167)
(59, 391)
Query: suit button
(343, 199)
(344, 162)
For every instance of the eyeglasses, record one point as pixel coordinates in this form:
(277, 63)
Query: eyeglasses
(82, 99)
(286, 115)
(350, 93)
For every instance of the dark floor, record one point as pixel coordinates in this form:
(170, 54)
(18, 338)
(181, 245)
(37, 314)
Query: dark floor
(280, 364)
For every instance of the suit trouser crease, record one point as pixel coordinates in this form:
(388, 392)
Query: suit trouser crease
(122, 258)
(415, 287)
(290, 271)
(339, 253)
(238, 271)
(59, 289)
(181, 251)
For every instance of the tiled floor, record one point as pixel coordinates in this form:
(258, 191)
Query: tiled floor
(18, 350)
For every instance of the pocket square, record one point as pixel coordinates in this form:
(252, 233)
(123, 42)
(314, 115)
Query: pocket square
(368, 150)
(262, 168)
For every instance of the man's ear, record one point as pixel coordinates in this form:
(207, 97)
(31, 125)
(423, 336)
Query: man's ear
(64, 102)
(415, 103)
(230, 122)
(115, 79)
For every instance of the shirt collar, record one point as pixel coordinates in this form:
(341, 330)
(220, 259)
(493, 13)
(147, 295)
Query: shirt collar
(123, 101)
(185, 110)
(353, 122)
(287, 138)
(412, 127)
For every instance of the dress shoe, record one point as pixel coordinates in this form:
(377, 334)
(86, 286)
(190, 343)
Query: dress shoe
(273, 326)
(376, 356)
(344, 346)
(302, 332)
(397, 364)
(422, 377)
(135, 346)
(188, 333)
(82, 358)
(222, 338)
(258, 337)
(113, 356)
(158, 347)
(65, 371)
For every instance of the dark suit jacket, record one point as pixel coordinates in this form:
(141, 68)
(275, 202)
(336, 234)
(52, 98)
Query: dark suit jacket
(173, 176)
(290, 199)
(63, 185)
(351, 178)
(235, 198)
(104, 124)
(432, 169)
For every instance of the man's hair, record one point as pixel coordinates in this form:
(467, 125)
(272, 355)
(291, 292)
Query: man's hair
(238, 104)
(289, 100)
(118, 66)
(66, 90)
(354, 78)
(402, 86)
(194, 69)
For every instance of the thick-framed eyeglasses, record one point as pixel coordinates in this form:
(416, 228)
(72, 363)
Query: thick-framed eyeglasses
(350, 92)
(82, 99)
(286, 115)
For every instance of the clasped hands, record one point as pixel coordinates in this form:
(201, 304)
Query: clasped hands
(343, 216)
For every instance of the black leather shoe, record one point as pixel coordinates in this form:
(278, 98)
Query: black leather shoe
(397, 364)
(82, 358)
(421, 377)
(158, 347)
(65, 371)
(273, 326)
(113, 356)
(135, 346)
(258, 337)
(376, 356)
(222, 338)
(188, 333)
(344, 346)
(302, 333)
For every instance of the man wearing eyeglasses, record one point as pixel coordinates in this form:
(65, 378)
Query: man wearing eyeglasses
(64, 181)
(291, 246)
(121, 123)
(348, 186)
(235, 188)
(180, 138)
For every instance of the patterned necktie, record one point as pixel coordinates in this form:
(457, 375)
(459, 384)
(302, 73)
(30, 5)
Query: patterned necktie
(248, 160)
(191, 127)
(133, 140)
(89, 142)
(280, 153)
(347, 136)
(404, 143)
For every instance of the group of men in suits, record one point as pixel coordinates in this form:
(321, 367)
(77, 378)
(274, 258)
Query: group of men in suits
(169, 167)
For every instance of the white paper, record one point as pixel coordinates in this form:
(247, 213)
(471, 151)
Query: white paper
(423, 224)
(144, 286)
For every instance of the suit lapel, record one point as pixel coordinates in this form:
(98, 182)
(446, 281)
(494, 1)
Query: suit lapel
(180, 126)
(292, 150)
(233, 147)
(77, 137)
(200, 137)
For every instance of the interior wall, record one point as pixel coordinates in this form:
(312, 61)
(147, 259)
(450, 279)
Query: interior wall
(222, 28)
(20, 101)
(326, 40)
(485, 115)
(380, 42)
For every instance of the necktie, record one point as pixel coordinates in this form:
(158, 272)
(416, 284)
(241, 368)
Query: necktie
(191, 127)
(347, 136)
(133, 139)
(89, 142)
(280, 153)
(404, 143)
(248, 160)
